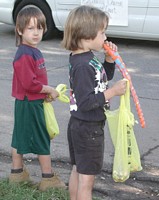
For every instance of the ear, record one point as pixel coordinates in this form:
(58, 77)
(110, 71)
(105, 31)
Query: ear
(19, 32)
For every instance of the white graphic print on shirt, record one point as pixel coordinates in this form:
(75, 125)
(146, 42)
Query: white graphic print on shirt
(100, 80)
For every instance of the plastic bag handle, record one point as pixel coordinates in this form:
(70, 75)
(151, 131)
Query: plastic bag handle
(125, 98)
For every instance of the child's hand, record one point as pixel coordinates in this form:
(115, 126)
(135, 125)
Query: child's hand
(52, 95)
(48, 98)
(119, 88)
(113, 47)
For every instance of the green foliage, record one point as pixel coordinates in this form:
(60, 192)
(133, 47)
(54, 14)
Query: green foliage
(26, 191)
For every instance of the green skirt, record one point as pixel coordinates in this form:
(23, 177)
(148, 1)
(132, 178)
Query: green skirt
(30, 134)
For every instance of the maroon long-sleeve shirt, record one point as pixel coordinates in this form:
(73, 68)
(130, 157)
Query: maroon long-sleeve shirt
(29, 73)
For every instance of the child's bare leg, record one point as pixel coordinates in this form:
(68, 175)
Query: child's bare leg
(45, 164)
(19, 173)
(17, 159)
(73, 183)
(85, 187)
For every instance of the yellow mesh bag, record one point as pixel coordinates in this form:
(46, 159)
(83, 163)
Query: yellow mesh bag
(126, 155)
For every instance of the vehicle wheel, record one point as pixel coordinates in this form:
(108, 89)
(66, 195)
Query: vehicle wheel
(46, 11)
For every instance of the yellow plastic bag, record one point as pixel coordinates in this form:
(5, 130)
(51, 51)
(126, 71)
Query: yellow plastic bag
(62, 88)
(51, 123)
(120, 123)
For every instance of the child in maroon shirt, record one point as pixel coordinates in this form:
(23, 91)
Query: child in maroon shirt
(30, 89)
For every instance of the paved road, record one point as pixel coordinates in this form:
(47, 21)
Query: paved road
(141, 58)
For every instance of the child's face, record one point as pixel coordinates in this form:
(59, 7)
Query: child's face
(97, 43)
(32, 34)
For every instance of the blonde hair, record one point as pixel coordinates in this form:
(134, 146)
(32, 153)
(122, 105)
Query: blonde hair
(23, 19)
(83, 22)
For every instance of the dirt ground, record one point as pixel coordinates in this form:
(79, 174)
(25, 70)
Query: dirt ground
(140, 185)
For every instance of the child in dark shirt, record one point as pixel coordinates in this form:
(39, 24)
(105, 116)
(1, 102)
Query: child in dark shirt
(30, 88)
(85, 31)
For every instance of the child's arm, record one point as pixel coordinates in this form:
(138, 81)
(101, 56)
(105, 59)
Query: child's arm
(109, 69)
(109, 64)
(118, 89)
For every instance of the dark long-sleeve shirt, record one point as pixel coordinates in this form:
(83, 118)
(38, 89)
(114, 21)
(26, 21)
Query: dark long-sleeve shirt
(88, 80)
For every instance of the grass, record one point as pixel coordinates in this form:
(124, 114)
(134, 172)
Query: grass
(26, 191)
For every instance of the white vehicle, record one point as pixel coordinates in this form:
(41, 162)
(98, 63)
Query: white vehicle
(138, 20)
